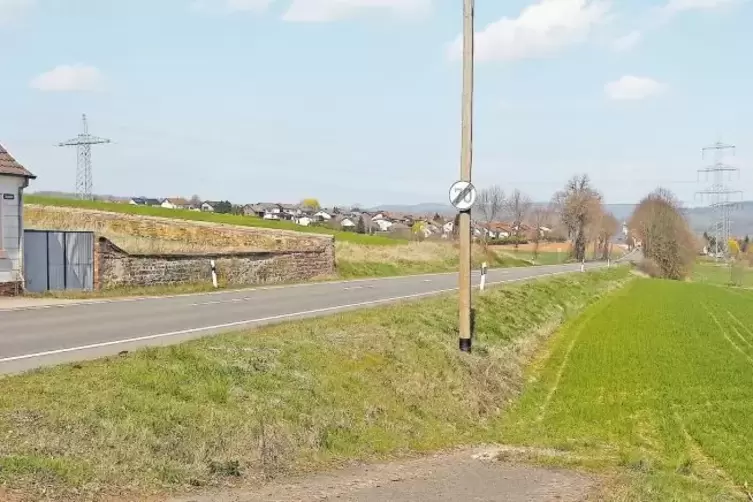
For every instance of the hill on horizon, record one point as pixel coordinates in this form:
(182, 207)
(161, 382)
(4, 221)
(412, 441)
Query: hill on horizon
(701, 218)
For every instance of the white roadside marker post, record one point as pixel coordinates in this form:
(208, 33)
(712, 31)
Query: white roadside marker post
(483, 275)
(583, 266)
(214, 274)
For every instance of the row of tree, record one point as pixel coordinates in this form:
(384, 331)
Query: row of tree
(576, 213)
(669, 246)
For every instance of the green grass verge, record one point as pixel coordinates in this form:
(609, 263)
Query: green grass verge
(247, 406)
(355, 270)
(228, 219)
(656, 380)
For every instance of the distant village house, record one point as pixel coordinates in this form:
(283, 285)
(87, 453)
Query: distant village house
(144, 201)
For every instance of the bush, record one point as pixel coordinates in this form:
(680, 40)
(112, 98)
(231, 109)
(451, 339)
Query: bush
(650, 268)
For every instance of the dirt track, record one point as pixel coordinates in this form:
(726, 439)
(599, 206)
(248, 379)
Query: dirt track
(453, 477)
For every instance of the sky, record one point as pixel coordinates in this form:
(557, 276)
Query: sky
(358, 101)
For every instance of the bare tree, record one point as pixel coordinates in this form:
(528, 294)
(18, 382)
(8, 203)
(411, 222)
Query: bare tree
(608, 228)
(517, 206)
(576, 205)
(490, 205)
(540, 217)
(195, 201)
(668, 243)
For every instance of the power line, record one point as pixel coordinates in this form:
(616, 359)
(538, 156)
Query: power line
(720, 195)
(83, 143)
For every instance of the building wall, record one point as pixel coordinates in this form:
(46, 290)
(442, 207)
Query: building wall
(10, 247)
(114, 267)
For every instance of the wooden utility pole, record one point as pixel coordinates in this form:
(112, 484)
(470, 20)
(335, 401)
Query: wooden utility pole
(466, 162)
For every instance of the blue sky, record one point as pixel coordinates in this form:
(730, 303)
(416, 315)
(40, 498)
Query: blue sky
(358, 101)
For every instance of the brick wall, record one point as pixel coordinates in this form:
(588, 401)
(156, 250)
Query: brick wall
(10, 288)
(115, 267)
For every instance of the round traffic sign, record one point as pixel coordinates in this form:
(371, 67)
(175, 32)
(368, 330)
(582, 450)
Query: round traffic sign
(463, 195)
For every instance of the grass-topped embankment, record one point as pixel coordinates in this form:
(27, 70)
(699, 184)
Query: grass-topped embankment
(243, 407)
(225, 219)
(654, 383)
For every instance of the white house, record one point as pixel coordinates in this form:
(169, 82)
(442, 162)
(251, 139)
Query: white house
(176, 203)
(144, 201)
(13, 179)
(322, 216)
(303, 221)
(347, 223)
(382, 224)
(208, 206)
(291, 211)
(272, 211)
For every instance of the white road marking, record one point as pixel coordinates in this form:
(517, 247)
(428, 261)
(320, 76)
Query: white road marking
(253, 321)
(99, 301)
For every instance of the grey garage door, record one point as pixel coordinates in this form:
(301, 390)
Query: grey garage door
(57, 260)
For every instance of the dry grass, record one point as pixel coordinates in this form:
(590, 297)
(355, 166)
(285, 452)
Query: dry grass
(544, 247)
(414, 251)
(355, 260)
(424, 251)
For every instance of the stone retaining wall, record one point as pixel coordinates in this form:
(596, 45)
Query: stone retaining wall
(10, 288)
(115, 267)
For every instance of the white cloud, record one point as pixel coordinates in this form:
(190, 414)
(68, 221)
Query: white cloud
(628, 41)
(231, 5)
(540, 30)
(336, 10)
(68, 78)
(630, 87)
(674, 6)
(11, 10)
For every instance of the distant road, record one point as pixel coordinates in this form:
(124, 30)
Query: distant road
(51, 335)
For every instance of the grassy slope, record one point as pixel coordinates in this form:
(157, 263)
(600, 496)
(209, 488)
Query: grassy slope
(658, 379)
(252, 405)
(227, 219)
(399, 262)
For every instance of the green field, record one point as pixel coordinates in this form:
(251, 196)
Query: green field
(244, 407)
(723, 274)
(655, 382)
(228, 219)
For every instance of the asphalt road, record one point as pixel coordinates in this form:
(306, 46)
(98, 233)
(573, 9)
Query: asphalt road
(33, 338)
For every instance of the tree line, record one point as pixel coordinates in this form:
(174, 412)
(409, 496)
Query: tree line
(578, 213)
(575, 213)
